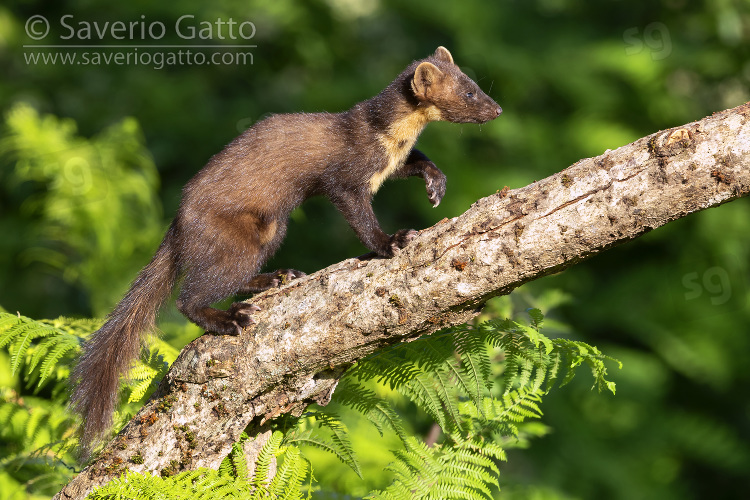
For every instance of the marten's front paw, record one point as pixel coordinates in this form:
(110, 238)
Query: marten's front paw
(275, 279)
(401, 239)
(284, 276)
(435, 183)
(242, 314)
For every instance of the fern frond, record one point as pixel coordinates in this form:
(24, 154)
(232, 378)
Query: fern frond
(396, 365)
(229, 482)
(340, 444)
(440, 472)
(24, 334)
(449, 377)
(577, 353)
(6, 321)
(536, 317)
(418, 468)
(446, 392)
(422, 392)
(35, 423)
(378, 411)
(50, 353)
(38, 429)
(39, 344)
(490, 449)
(145, 374)
(475, 361)
(290, 476)
(267, 453)
(467, 457)
(239, 464)
(518, 405)
(553, 369)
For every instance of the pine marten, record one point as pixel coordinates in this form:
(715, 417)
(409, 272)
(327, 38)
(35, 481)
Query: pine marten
(233, 213)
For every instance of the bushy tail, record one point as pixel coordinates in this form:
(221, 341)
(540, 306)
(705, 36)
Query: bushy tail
(110, 351)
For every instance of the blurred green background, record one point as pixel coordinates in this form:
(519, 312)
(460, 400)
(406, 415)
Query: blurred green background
(93, 158)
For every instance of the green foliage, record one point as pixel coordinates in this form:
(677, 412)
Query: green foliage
(149, 370)
(335, 440)
(456, 471)
(37, 429)
(82, 195)
(35, 445)
(41, 345)
(45, 348)
(448, 376)
(41, 431)
(232, 480)
(533, 358)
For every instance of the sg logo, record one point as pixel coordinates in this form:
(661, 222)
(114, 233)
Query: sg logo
(655, 36)
(715, 281)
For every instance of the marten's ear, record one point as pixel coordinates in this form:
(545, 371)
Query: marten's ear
(426, 75)
(442, 54)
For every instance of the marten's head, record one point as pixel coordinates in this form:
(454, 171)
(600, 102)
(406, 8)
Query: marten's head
(438, 82)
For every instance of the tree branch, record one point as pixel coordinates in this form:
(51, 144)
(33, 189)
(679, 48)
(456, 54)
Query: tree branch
(310, 331)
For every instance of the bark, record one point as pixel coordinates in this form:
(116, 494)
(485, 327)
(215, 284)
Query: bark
(310, 331)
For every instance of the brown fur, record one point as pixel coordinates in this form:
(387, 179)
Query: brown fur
(234, 212)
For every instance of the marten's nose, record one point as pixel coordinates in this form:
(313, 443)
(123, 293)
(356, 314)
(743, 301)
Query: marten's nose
(498, 110)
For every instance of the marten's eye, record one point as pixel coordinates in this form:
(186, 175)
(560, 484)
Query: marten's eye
(470, 94)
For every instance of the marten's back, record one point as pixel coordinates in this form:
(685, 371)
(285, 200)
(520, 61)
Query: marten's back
(282, 160)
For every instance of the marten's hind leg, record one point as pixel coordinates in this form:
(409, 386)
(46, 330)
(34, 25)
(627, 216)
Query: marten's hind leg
(195, 303)
(271, 236)
(222, 266)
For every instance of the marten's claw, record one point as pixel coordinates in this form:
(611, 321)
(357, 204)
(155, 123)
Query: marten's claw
(433, 196)
(400, 239)
(435, 191)
(287, 275)
(242, 312)
(435, 183)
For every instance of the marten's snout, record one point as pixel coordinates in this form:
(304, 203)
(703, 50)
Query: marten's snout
(491, 111)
